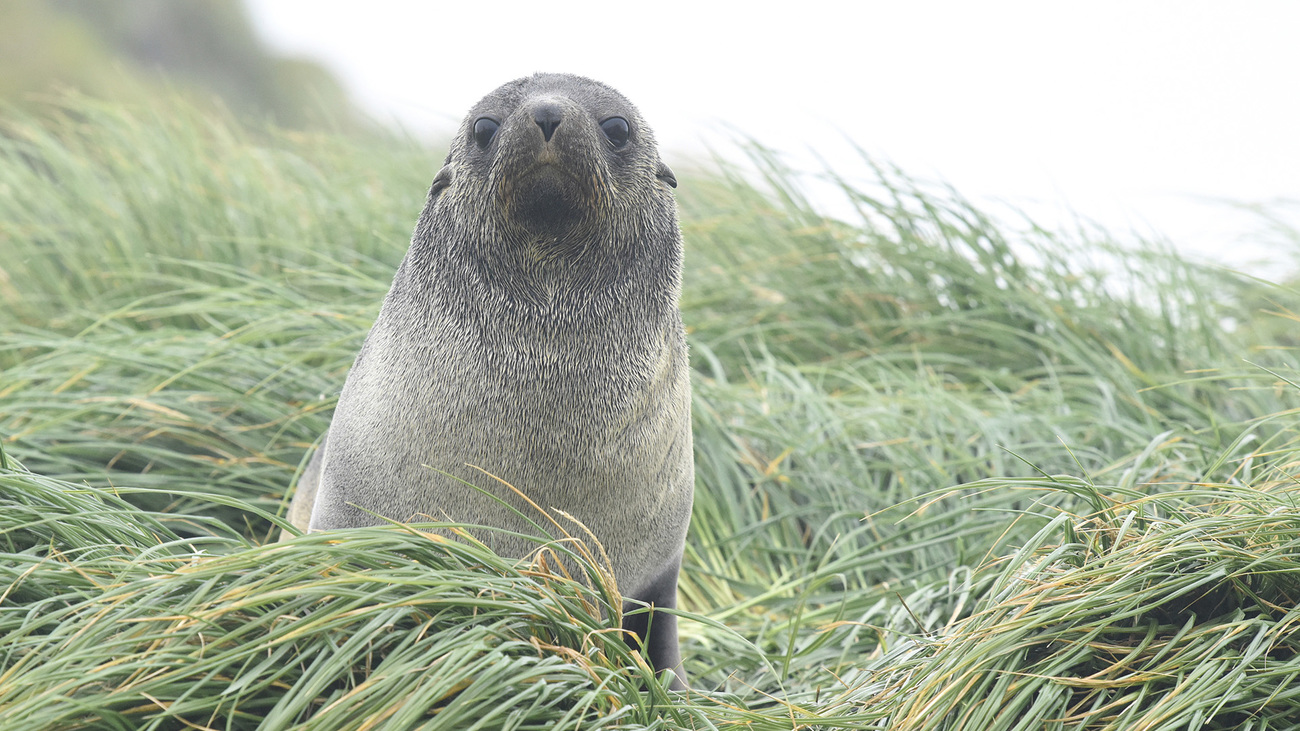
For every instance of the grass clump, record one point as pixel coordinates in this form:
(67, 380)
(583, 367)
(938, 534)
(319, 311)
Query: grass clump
(1159, 612)
(879, 403)
(135, 627)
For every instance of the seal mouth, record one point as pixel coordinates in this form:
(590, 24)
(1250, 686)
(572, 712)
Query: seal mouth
(547, 198)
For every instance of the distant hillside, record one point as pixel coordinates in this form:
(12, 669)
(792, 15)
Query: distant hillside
(122, 49)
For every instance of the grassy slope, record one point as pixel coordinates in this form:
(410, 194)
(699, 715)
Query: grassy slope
(879, 404)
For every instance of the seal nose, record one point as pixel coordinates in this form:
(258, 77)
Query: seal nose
(548, 117)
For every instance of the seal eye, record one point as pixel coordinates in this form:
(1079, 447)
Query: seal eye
(485, 128)
(615, 129)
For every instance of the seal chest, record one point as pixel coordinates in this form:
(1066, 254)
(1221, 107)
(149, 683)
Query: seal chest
(532, 332)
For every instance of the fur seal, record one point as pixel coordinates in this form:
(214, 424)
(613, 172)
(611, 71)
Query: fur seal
(533, 332)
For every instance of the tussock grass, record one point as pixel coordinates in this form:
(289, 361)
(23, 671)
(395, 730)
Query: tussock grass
(1158, 612)
(879, 404)
(128, 626)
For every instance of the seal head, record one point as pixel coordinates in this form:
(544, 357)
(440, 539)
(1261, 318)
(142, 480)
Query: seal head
(558, 160)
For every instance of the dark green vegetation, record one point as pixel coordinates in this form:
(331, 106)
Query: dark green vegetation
(950, 476)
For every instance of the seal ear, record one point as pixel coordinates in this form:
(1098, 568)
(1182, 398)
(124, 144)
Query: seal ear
(665, 173)
(440, 181)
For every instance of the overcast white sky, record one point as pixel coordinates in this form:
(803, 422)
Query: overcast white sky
(1141, 115)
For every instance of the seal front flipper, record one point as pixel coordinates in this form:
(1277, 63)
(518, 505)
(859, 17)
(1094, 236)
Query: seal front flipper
(304, 495)
(655, 633)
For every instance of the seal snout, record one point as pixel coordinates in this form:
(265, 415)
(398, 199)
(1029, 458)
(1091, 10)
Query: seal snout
(548, 116)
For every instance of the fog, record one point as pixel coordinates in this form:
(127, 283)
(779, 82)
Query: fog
(1158, 119)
